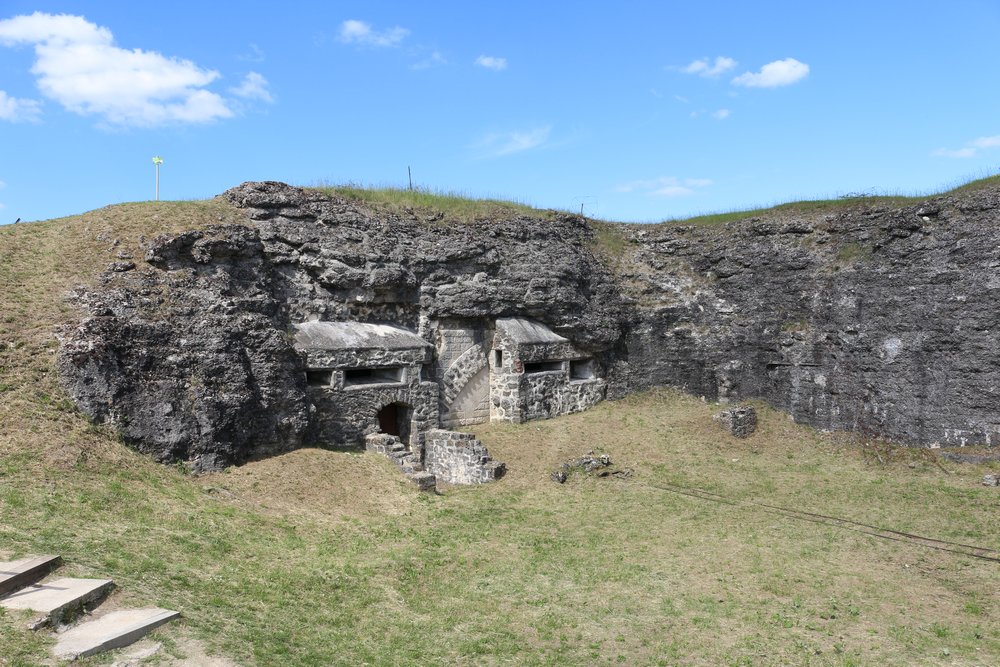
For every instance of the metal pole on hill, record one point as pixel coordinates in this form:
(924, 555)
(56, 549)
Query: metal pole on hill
(410, 175)
(157, 160)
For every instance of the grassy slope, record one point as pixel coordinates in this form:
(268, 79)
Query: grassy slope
(319, 558)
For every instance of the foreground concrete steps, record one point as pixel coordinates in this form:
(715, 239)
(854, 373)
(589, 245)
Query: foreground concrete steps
(113, 630)
(58, 600)
(17, 574)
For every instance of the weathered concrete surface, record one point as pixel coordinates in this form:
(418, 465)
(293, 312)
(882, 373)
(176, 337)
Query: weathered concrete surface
(864, 317)
(59, 598)
(190, 355)
(113, 630)
(17, 574)
(876, 318)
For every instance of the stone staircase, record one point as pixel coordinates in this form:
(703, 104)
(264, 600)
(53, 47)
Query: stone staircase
(400, 454)
(59, 602)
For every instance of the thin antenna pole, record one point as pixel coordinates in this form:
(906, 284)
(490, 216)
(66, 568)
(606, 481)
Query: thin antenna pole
(410, 175)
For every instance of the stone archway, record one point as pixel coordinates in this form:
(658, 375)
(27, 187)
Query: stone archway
(466, 389)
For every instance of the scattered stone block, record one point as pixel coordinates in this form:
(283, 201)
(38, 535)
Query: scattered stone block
(425, 481)
(741, 421)
(991, 480)
(590, 464)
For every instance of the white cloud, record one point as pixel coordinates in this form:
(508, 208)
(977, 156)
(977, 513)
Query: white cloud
(682, 100)
(253, 87)
(517, 141)
(492, 62)
(772, 75)
(721, 114)
(971, 148)
(78, 66)
(353, 31)
(433, 60)
(17, 109)
(986, 142)
(968, 151)
(2, 185)
(665, 186)
(706, 68)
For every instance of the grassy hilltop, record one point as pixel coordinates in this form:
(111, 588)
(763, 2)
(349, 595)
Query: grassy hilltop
(320, 558)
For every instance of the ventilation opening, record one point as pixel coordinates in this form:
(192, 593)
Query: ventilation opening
(359, 377)
(543, 367)
(581, 369)
(319, 378)
(497, 359)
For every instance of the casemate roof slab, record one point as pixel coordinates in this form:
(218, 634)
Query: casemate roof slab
(355, 336)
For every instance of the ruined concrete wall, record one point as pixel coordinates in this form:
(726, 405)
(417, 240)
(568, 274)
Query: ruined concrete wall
(189, 358)
(189, 353)
(458, 458)
(866, 317)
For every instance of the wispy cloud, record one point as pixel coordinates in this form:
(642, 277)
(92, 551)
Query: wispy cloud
(665, 186)
(492, 62)
(774, 74)
(435, 59)
(78, 66)
(718, 114)
(516, 141)
(708, 68)
(16, 110)
(971, 148)
(255, 55)
(253, 87)
(354, 31)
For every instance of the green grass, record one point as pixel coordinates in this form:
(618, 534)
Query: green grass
(833, 205)
(431, 205)
(325, 558)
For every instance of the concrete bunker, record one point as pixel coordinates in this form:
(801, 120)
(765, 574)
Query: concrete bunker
(535, 373)
(365, 378)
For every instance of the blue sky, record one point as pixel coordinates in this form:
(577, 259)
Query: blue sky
(638, 111)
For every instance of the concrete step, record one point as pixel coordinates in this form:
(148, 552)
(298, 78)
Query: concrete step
(17, 574)
(58, 600)
(113, 630)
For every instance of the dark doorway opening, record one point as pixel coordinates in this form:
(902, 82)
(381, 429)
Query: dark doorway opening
(394, 419)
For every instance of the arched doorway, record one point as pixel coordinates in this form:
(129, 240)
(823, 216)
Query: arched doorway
(394, 419)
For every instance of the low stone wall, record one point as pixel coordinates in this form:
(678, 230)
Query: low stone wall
(458, 458)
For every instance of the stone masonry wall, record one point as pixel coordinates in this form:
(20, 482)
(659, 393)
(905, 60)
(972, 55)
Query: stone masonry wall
(458, 458)
(546, 395)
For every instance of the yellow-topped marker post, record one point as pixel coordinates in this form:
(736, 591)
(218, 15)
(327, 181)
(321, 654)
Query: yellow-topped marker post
(157, 160)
